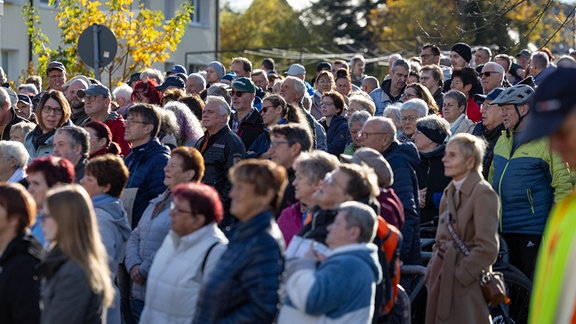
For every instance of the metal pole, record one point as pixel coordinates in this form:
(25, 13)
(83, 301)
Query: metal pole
(95, 40)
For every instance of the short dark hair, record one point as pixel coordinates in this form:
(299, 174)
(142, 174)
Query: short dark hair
(468, 76)
(109, 169)
(149, 113)
(294, 133)
(505, 58)
(78, 136)
(268, 63)
(435, 49)
(55, 170)
(203, 199)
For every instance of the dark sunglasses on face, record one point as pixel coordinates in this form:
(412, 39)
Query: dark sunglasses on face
(237, 93)
(487, 74)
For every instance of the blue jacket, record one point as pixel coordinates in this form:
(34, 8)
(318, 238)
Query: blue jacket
(528, 181)
(341, 290)
(404, 160)
(244, 285)
(146, 165)
(337, 134)
(382, 97)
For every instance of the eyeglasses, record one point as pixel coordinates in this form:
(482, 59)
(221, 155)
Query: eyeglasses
(276, 143)
(132, 121)
(409, 118)
(487, 73)
(52, 110)
(366, 134)
(265, 109)
(237, 93)
(325, 103)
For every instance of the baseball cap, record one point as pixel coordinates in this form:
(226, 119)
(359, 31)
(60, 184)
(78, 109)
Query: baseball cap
(94, 90)
(55, 65)
(490, 96)
(244, 85)
(524, 52)
(296, 69)
(177, 69)
(324, 66)
(171, 81)
(553, 101)
(25, 99)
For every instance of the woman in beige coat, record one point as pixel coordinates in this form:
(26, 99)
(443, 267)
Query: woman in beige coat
(471, 206)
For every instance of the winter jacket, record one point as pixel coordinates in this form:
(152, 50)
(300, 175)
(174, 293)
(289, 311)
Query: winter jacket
(491, 136)
(341, 290)
(5, 133)
(66, 294)
(528, 181)
(382, 97)
(473, 111)
(19, 285)
(145, 240)
(290, 221)
(404, 160)
(262, 143)
(453, 279)
(431, 176)
(146, 165)
(178, 271)
(250, 127)
(337, 134)
(391, 208)
(114, 230)
(244, 286)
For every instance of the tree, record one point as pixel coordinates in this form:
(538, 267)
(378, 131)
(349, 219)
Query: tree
(144, 36)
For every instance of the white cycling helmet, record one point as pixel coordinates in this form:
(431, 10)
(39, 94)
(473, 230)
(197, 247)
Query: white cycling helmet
(517, 95)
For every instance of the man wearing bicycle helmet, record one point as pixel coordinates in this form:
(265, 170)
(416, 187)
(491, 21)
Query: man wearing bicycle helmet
(554, 115)
(528, 178)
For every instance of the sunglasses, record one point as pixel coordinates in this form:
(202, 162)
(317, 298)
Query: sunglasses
(237, 93)
(487, 74)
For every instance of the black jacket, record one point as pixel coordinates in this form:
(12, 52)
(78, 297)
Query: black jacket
(431, 176)
(250, 128)
(15, 120)
(19, 285)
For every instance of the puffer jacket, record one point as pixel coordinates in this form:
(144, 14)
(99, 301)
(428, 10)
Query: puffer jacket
(145, 240)
(528, 181)
(178, 271)
(337, 134)
(146, 165)
(244, 286)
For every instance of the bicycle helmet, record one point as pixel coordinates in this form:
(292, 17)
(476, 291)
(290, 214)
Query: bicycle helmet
(517, 95)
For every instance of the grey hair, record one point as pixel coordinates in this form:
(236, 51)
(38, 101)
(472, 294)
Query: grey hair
(4, 97)
(169, 123)
(25, 127)
(470, 146)
(198, 77)
(219, 90)
(307, 101)
(28, 88)
(190, 128)
(402, 63)
(362, 216)
(485, 49)
(78, 136)
(222, 104)
(393, 112)
(366, 103)
(15, 150)
(315, 164)
(566, 61)
(358, 117)
(299, 85)
(123, 91)
(540, 59)
(459, 97)
(152, 74)
(386, 124)
(417, 105)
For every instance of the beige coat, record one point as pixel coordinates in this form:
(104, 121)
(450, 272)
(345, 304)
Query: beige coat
(453, 279)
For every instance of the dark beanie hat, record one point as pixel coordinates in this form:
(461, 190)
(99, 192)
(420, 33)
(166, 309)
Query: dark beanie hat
(463, 50)
(437, 136)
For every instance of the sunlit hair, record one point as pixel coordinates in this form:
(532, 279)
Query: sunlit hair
(109, 169)
(192, 160)
(62, 102)
(423, 93)
(54, 169)
(190, 128)
(264, 176)
(363, 181)
(362, 216)
(148, 90)
(19, 204)
(470, 146)
(315, 164)
(202, 199)
(326, 75)
(78, 236)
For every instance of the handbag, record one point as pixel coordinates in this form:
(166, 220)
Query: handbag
(491, 283)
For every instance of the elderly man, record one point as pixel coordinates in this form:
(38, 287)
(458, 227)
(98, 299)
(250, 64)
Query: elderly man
(72, 87)
(13, 160)
(369, 83)
(72, 143)
(482, 56)
(540, 66)
(245, 121)
(221, 148)
(195, 84)
(492, 76)
(293, 91)
(8, 115)
(391, 89)
(299, 71)
(528, 178)
(379, 133)
(552, 294)
(97, 101)
(342, 288)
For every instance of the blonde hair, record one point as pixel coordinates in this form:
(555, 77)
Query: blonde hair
(471, 147)
(78, 236)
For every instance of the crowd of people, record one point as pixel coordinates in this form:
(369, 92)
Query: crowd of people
(242, 195)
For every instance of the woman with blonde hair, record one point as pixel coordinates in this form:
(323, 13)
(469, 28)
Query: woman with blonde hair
(76, 284)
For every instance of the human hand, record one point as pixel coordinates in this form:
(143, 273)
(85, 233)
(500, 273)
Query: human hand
(422, 197)
(136, 276)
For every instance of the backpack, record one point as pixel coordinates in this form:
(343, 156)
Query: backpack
(390, 243)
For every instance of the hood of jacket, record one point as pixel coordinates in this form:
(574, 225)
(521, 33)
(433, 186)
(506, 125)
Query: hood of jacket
(368, 252)
(114, 212)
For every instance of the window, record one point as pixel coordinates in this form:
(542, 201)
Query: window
(46, 4)
(169, 9)
(201, 8)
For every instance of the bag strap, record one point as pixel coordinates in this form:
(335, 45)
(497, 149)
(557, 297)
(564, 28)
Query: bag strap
(206, 257)
(458, 241)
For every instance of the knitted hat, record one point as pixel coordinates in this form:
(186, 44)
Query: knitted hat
(218, 67)
(437, 136)
(463, 50)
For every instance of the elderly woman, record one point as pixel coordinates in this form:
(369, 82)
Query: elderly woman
(454, 111)
(411, 111)
(324, 83)
(469, 214)
(100, 139)
(310, 169)
(334, 122)
(20, 252)
(76, 282)
(355, 123)
(244, 286)
(418, 91)
(104, 179)
(431, 134)
(185, 165)
(13, 161)
(393, 112)
(187, 257)
(358, 102)
(53, 112)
